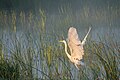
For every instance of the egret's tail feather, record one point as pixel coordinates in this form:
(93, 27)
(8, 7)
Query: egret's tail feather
(82, 63)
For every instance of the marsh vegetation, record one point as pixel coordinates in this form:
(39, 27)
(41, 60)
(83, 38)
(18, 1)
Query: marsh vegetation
(30, 48)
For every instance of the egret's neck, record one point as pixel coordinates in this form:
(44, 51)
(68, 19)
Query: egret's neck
(66, 50)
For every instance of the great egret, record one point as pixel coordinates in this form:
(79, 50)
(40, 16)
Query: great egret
(75, 46)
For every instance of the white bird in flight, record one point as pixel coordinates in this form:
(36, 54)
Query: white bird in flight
(75, 46)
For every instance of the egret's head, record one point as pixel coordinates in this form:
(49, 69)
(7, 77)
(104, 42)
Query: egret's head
(63, 41)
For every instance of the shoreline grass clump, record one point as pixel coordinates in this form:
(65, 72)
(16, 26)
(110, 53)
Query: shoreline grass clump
(9, 70)
(46, 60)
(105, 60)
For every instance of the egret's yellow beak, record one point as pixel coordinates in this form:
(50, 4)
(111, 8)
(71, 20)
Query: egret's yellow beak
(61, 41)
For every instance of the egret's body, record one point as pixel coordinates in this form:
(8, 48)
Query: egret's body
(76, 46)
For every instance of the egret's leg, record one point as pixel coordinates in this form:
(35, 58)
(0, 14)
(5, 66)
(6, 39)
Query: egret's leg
(77, 66)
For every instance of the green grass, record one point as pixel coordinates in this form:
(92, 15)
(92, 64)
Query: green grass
(105, 60)
(9, 70)
(29, 48)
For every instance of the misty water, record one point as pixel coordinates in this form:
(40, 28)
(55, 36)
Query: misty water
(102, 16)
(102, 22)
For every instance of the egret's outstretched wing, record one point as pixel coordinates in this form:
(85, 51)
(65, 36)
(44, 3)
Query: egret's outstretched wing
(73, 36)
(74, 43)
(84, 40)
